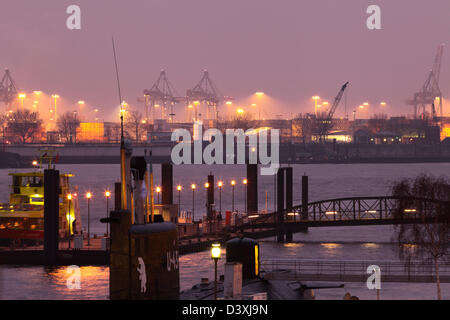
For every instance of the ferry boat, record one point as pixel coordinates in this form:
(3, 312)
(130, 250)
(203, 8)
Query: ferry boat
(23, 217)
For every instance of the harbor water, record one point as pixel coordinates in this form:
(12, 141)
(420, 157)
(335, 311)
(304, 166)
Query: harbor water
(327, 181)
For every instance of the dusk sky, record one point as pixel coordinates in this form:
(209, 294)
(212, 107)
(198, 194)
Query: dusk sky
(290, 49)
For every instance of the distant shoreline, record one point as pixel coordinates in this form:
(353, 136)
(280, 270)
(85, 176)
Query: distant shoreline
(162, 159)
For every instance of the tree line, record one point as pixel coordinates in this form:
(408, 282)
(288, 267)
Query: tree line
(25, 126)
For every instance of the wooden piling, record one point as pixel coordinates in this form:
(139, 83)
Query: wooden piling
(51, 216)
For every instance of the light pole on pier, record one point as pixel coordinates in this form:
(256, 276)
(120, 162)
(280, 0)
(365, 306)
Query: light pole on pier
(179, 188)
(220, 185)
(107, 195)
(193, 187)
(215, 255)
(89, 196)
(69, 197)
(233, 183)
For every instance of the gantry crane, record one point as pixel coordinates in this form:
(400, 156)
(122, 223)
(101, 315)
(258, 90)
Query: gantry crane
(324, 121)
(8, 89)
(207, 93)
(161, 95)
(430, 91)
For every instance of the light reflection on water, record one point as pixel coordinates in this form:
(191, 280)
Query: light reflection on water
(23, 283)
(326, 181)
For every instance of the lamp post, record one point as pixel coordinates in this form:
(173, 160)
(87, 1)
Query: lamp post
(89, 196)
(158, 191)
(69, 197)
(315, 98)
(193, 187)
(107, 195)
(22, 97)
(233, 183)
(220, 185)
(245, 182)
(179, 188)
(55, 97)
(215, 255)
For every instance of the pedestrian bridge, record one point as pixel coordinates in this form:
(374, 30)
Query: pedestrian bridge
(349, 212)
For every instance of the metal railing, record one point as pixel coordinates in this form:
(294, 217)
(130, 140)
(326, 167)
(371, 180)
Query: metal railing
(352, 270)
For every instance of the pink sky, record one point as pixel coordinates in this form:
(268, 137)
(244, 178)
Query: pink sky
(289, 49)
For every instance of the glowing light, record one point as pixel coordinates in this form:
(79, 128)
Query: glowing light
(233, 182)
(260, 93)
(88, 195)
(158, 189)
(81, 103)
(245, 181)
(240, 111)
(107, 194)
(220, 184)
(55, 96)
(383, 104)
(193, 186)
(22, 95)
(179, 188)
(37, 92)
(315, 98)
(215, 251)
(206, 185)
(35, 163)
(228, 103)
(69, 196)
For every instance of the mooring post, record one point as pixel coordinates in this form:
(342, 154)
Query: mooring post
(305, 197)
(119, 269)
(167, 183)
(117, 196)
(252, 188)
(289, 203)
(209, 203)
(51, 216)
(280, 205)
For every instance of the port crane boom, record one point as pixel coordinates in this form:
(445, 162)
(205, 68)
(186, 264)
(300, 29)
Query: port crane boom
(324, 122)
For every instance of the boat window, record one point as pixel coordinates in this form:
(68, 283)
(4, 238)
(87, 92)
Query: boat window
(16, 181)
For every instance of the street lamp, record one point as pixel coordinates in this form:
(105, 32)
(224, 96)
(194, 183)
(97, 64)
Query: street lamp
(233, 183)
(69, 197)
(158, 191)
(193, 187)
(55, 97)
(220, 185)
(215, 255)
(22, 97)
(315, 98)
(179, 188)
(88, 197)
(107, 195)
(245, 182)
